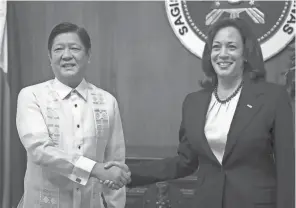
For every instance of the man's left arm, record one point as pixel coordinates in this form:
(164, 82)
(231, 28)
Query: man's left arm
(115, 151)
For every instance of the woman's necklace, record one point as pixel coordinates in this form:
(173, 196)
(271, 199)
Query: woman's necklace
(230, 97)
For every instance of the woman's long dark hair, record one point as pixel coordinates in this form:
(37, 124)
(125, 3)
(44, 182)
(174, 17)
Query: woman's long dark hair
(253, 64)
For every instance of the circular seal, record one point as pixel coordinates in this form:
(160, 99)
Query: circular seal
(273, 22)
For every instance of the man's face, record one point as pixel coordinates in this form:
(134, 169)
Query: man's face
(68, 58)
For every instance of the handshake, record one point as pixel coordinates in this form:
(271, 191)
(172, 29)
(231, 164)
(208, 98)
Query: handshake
(113, 174)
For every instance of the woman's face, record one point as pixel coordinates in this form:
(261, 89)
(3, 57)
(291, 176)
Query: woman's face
(68, 58)
(227, 53)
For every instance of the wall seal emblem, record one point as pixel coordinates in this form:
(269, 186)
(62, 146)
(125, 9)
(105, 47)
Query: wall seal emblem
(273, 22)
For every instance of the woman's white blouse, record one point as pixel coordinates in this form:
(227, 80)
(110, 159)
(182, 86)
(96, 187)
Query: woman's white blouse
(218, 121)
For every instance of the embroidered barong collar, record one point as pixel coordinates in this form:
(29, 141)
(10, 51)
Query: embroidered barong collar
(64, 90)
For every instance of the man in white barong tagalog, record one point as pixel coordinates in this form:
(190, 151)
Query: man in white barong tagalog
(70, 129)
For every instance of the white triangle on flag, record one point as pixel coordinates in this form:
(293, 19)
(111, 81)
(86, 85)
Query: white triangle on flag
(3, 36)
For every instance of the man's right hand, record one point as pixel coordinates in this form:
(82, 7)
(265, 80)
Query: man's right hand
(119, 176)
(112, 164)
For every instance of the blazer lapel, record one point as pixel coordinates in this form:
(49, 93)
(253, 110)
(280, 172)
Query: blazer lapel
(247, 107)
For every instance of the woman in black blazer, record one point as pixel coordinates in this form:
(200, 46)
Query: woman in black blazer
(238, 131)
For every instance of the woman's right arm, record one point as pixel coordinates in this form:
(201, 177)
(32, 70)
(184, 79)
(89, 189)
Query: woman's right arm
(184, 164)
